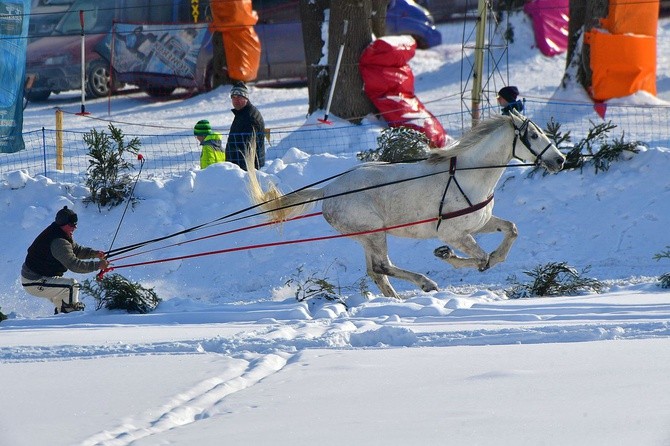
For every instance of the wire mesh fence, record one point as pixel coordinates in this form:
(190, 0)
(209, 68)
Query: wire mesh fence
(173, 152)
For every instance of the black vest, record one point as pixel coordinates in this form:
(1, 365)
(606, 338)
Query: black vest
(39, 258)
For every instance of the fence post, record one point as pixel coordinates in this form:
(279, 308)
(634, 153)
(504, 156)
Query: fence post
(44, 150)
(59, 139)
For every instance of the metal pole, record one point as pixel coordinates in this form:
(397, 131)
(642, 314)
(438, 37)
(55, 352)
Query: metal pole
(83, 65)
(479, 62)
(337, 70)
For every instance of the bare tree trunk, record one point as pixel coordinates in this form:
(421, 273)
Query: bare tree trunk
(378, 21)
(312, 17)
(584, 15)
(219, 61)
(349, 101)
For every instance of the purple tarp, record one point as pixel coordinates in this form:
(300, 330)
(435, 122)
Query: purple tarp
(550, 23)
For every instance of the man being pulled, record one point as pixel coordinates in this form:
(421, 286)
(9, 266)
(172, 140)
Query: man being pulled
(53, 253)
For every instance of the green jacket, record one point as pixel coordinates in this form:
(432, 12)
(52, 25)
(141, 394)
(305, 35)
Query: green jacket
(212, 150)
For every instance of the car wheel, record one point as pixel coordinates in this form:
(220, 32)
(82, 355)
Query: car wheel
(37, 96)
(97, 79)
(420, 43)
(159, 92)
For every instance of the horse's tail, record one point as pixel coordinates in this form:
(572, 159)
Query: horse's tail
(279, 207)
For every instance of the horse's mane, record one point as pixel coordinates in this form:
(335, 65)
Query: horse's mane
(473, 137)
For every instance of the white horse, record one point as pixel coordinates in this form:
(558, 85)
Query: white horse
(448, 196)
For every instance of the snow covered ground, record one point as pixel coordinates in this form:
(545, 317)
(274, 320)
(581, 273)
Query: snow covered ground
(230, 356)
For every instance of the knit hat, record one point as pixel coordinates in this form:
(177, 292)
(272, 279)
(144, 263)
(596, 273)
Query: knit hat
(66, 217)
(239, 89)
(202, 128)
(509, 93)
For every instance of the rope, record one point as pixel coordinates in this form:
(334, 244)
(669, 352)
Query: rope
(267, 245)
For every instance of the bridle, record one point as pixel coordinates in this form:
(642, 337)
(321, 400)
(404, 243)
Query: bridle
(521, 133)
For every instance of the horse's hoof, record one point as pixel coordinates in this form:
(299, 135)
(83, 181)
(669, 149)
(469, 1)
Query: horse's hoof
(444, 252)
(429, 286)
(484, 267)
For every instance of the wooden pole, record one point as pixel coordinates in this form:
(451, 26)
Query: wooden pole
(59, 139)
(479, 62)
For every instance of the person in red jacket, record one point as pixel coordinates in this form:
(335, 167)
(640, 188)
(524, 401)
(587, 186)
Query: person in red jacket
(52, 254)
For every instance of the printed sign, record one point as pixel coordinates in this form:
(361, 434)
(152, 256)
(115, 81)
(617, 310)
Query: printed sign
(167, 49)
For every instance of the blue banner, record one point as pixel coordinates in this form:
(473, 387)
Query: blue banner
(157, 49)
(14, 16)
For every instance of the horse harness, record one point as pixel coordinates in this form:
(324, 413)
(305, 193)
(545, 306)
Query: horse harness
(452, 175)
(471, 207)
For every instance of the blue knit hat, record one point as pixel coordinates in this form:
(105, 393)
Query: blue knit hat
(509, 93)
(202, 128)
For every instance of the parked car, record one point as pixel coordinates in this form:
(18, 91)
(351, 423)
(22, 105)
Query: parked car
(282, 52)
(406, 17)
(54, 61)
(44, 16)
(445, 10)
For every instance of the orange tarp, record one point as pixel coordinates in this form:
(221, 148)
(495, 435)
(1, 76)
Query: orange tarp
(622, 64)
(632, 16)
(235, 19)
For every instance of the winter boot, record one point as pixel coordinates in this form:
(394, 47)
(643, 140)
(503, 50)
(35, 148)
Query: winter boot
(69, 308)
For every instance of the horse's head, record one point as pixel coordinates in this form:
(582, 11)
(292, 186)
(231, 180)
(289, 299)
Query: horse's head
(535, 145)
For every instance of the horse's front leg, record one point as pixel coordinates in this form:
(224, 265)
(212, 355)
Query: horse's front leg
(478, 257)
(510, 233)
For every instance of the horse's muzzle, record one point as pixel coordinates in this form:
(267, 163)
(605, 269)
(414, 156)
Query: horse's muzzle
(554, 164)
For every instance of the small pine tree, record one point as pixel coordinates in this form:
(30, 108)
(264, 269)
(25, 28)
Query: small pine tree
(609, 152)
(2, 316)
(115, 292)
(106, 177)
(398, 144)
(664, 280)
(553, 279)
(584, 152)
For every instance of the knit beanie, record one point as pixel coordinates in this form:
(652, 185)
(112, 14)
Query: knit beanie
(66, 217)
(239, 89)
(509, 93)
(202, 128)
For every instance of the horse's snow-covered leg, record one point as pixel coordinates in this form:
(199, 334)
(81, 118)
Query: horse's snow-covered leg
(381, 280)
(467, 244)
(380, 266)
(510, 233)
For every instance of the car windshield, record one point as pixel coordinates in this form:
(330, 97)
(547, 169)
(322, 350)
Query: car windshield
(97, 18)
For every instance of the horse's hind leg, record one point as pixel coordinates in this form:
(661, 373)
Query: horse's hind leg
(510, 234)
(478, 257)
(379, 266)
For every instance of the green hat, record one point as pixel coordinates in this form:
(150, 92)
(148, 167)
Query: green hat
(202, 128)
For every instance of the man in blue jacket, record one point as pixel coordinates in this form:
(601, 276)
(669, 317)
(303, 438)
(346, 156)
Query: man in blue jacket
(247, 122)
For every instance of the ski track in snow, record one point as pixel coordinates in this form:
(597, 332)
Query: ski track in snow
(201, 402)
(270, 344)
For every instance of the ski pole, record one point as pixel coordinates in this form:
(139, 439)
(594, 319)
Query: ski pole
(337, 70)
(132, 191)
